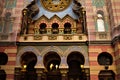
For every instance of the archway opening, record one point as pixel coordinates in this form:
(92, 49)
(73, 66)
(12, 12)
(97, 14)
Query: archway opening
(28, 60)
(67, 28)
(43, 29)
(55, 29)
(75, 62)
(52, 61)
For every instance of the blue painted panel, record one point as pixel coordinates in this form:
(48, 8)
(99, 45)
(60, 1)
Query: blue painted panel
(60, 14)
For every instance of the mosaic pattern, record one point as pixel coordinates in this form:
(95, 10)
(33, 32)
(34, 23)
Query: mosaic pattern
(98, 3)
(10, 3)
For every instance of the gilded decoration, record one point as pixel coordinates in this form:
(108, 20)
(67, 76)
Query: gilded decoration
(102, 35)
(68, 37)
(55, 5)
(37, 37)
(80, 37)
(52, 37)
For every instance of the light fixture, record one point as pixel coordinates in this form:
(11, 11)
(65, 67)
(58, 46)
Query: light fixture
(56, 66)
(82, 66)
(51, 66)
(24, 68)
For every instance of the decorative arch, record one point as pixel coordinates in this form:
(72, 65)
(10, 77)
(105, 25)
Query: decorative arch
(76, 57)
(79, 49)
(100, 21)
(67, 28)
(75, 48)
(27, 49)
(28, 60)
(51, 60)
(55, 28)
(52, 48)
(42, 28)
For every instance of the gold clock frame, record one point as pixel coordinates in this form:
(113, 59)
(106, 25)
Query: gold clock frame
(55, 7)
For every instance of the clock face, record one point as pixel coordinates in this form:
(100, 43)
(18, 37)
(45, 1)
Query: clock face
(55, 5)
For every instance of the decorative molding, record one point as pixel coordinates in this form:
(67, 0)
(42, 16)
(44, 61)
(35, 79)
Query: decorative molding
(102, 35)
(52, 37)
(67, 37)
(7, 43)
(80, 37)
(4, 37)
(37, 37)
(52, 48)
(99, 42)
(51, 43)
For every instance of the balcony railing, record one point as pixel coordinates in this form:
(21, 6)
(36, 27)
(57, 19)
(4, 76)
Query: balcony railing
(52, 37)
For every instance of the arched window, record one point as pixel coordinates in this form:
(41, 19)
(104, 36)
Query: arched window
(52, 62)
(105, 58)
(8, 23)
(55, 29)
(67, 28)
(100, 22)
(43, 28)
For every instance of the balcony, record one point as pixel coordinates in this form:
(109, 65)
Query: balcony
(53, 38)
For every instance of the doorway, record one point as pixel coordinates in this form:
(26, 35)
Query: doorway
(28, 61)
(76, 62)
(52, 61)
